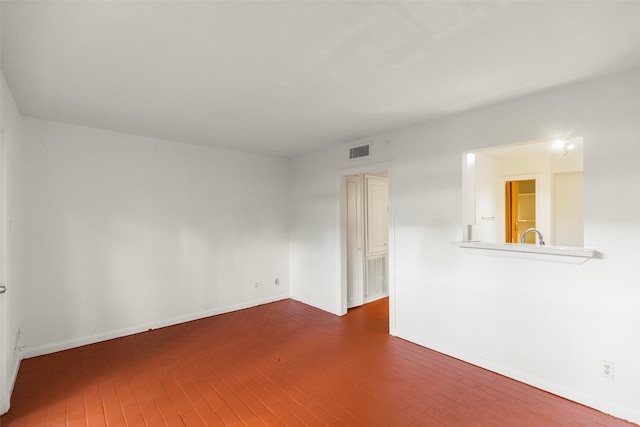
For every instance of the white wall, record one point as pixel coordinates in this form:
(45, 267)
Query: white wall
(568, 208)
(489, 207)
(546, 324)
(124, 233)
(11, 124)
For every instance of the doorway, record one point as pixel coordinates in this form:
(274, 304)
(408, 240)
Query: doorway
(366, 208)
(520, 210)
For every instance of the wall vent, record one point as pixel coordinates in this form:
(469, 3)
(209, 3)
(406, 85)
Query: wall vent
(376, 276)
(359, 151)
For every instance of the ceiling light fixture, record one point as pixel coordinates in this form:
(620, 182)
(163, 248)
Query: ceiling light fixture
(564, 145)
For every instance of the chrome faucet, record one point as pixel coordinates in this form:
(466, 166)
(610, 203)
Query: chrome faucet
(534, 230)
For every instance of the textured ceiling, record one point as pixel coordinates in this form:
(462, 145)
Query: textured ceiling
(285, 78)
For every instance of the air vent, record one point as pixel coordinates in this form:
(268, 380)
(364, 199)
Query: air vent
(359, 151)
(376, 276)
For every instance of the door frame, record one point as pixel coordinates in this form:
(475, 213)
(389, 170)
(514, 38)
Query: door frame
(542, 215)
(342, 241)
(5, 388)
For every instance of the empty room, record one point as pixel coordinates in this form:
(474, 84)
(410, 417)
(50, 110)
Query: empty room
(341, 213)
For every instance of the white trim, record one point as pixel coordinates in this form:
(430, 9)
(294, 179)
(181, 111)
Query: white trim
(314, 304)
(77, 342)
(5, 385)
(575, 395)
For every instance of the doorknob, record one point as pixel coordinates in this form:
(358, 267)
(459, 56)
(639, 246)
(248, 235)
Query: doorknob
(3, 289)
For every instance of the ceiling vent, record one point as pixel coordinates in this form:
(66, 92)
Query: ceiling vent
(359, 151)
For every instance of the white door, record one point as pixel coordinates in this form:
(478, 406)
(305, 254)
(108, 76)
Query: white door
(355, 240)
(4, 372)
(377, 212)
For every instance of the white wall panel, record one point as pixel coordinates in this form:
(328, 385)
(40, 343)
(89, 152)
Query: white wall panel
(126, 233)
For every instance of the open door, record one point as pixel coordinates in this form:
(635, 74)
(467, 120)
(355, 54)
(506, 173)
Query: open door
(376, 238)
(355, 241)
(511, 212)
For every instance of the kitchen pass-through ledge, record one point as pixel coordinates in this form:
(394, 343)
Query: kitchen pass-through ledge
(564, 254)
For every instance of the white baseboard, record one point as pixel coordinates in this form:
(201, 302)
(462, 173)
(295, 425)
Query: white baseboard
(376, 297)
(310, 303)
(607, 407)
(77, 342)
(13, 374)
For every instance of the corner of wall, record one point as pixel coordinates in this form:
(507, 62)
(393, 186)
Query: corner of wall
(13, 225)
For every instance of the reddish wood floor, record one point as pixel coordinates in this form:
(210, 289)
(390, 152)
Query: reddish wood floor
(278, 364)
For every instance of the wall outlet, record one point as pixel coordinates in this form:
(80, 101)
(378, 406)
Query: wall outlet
(257, 284)
(606, 369)
(277, 282)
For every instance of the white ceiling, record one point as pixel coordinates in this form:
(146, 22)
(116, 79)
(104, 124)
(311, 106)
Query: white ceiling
(285, 78)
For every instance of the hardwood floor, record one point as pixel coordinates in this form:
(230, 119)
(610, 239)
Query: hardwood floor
(283, 363)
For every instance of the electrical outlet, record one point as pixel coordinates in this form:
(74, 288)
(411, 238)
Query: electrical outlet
(277, 282)
(606, 369)
(257, 284)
